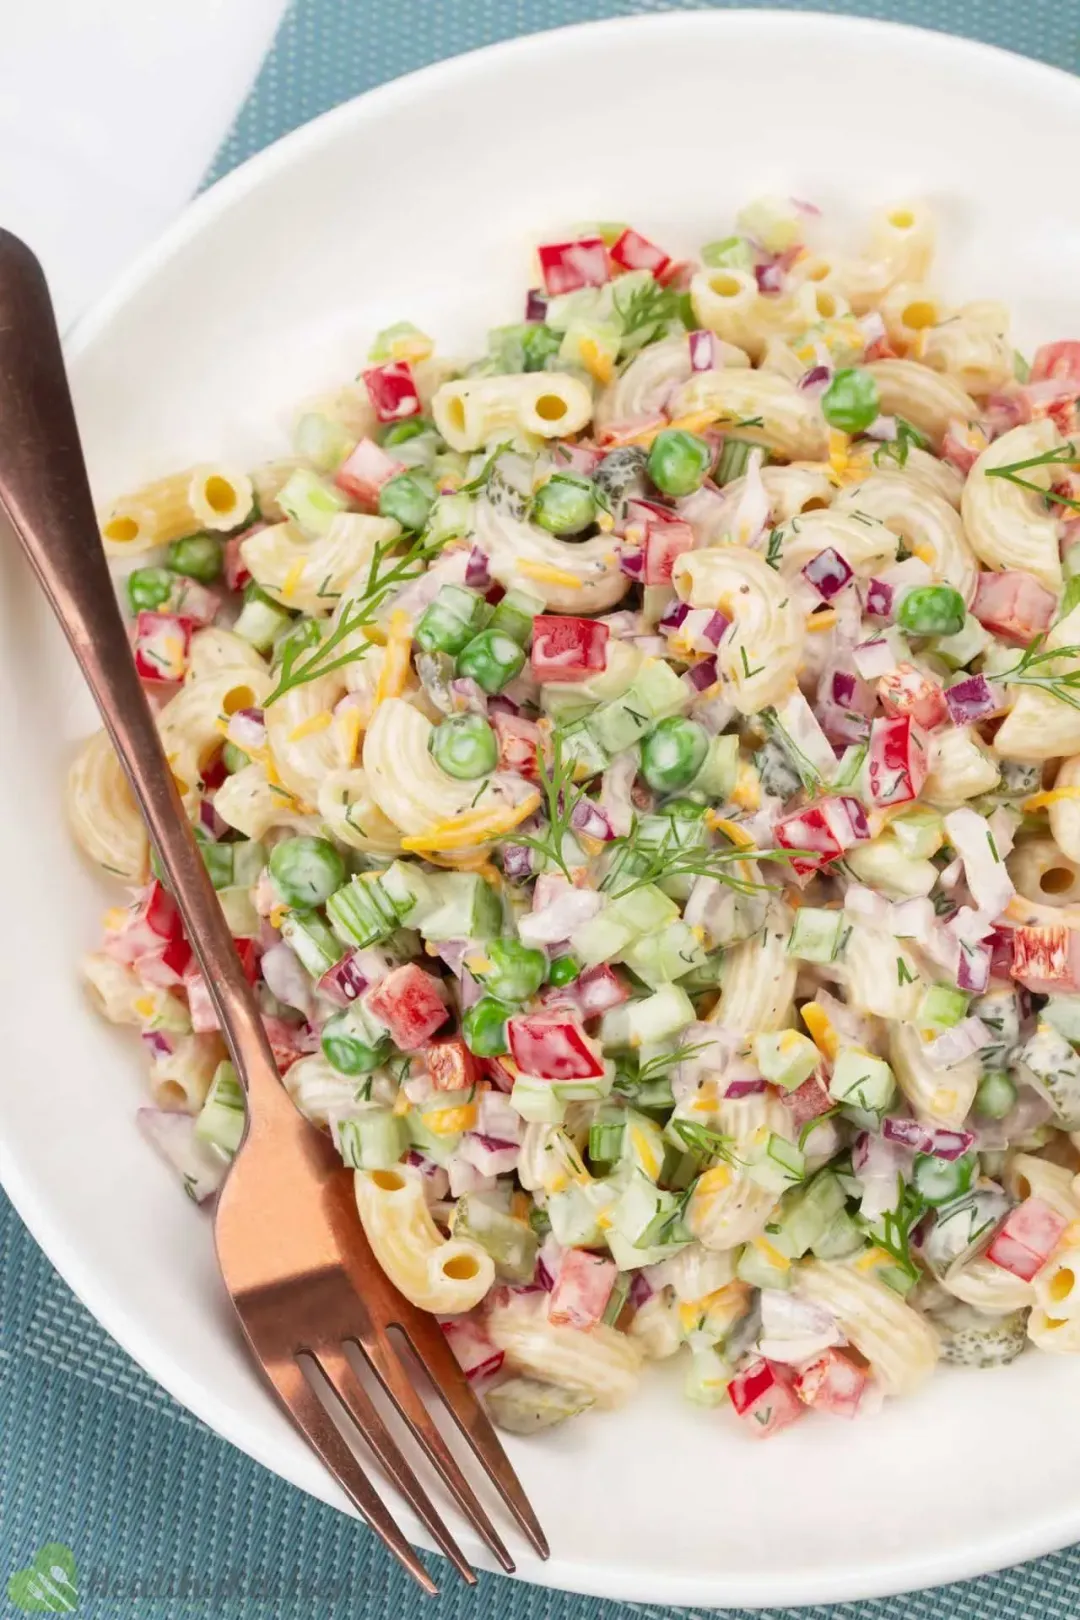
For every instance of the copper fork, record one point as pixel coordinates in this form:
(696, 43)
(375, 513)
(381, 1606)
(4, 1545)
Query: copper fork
(292, 1252)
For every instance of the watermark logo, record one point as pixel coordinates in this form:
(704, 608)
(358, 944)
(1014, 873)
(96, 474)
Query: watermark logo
(49, 1584)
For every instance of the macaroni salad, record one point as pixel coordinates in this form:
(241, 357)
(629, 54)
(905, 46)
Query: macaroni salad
(640, 768)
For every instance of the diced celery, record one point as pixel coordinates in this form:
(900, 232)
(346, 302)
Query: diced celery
(707, 1377)
(840, 1238)
(450, 517)
(515, 613)
(618, 725)
(261, 620)
(512, 1244)
(861, 1080)
(656, 691)
(1062, 1012)
(312, 940)
(663, 957)
(883, 864)
(775, 222)
(374, 1140)
(762, 1265)
(644, 909)
(361, 912)
(468, 908)
(601, 939)
(580, 746)
(941, 1007)
(411, 894)
(718, 775)
(642, 1211)
(816, 934)
(439, 1146)
(312, 503)
(779, 1166)
(624, 660)
(591, 343)
(786, 1058)
(643, 1145)
(731, 252)
(591, 1090)
(240, 914)
(527, 1405)
(657, 1017)
(573, 1213)
(806, 1214)
(709, 976)
(919, 832)
(220, 1122)
(536, 1101)
(619, 1294)
(614, 1032)
(968, 642)
(607, 1134)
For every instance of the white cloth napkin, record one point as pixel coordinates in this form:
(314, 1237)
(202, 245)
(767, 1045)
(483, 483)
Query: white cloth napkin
(110, 113)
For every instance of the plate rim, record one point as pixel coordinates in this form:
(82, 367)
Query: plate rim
(59, 1242)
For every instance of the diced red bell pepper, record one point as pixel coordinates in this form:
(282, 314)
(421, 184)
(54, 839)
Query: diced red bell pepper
(577, 458)
(552, 1046)
(408, 1002)
(1046, 960)
(593, 992)
(190, 600)
(162, 646)
(636, 252)
(905, 690)
(153, 923)
(450, 1064)
(285, 1042)
(897, 764)
(1059, 360)
(166, 967)
(827, 828)
(365, 470)
(1053, 399)
(582, 1289)
(1001, 944)
(1026, 1238)
(496, 1070)
(392, 390)
(1013, 605)
(519, 742)
(569, 266)
(765, 1395)
(664, 543)
(832, 1383)
(810, 1100)
(474, 1352)
(249, 953)
(235, 570)
(567, 649)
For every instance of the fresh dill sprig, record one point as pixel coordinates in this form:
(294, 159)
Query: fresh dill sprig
(1035, 669)
(656, 1068)
(898, 1224)
(669, 857)
(1061, 455)
(357, 613)
(644, 314)
(897, 450)
(561, 798)
(700, 1139)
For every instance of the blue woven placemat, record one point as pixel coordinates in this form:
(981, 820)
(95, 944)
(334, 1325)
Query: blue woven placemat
(154, 1515)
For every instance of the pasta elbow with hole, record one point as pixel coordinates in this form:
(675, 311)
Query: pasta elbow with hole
(447, 1276)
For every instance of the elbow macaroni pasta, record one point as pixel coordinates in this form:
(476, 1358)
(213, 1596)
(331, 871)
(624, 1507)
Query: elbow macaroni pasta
(445, 1275)
(102, 813)
(759, 656)
(900, 1345)
(601, 1363)
(1008, 526)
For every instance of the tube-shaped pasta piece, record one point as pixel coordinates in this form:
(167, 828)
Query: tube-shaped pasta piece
(1058, 1334)
(865, 544)
(319, 1090)
(1040, 871)
(938, 1096)
(899, 1343)
(940, 477)
(601, 1361)
(922, 397)
(214, 649)
(908, 310)
(305, 742)
(1008, 526)
(792, 423)
(801, 486)
(1028, 1176)
(119, 995)
(727, 302)
(989, 1288)
(248, 801)
(348, 809)
(758, 658)
(213, 496)
(180, 1079)
(960, 768)
(759, 979)
(312, 576)
(570, 577)
(192, 723)
(1064, 813)
(900, 248)
(472, 412)
(655, 1327)
(880, 974)
(973, 348)
(1039, 726)
(925, 521)
(1057, 1284)
(102, 812)
(728, 1207)
(445, 1275)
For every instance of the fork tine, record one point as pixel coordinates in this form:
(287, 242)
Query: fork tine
(392, 1375)
(316, 1424)
(429, 1342)
(358, 1403)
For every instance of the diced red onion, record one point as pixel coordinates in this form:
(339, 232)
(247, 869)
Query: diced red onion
(843, 688)
(640, 1290)
(632, 561)
(814, 380)
(344, 983)
(589, 818)
(874, 657)
(536, 305)
(501, 704)
(877, 1161)
(210, 821)
(714, 631)
(867, 904)
(473, 1351)
(699, 677)
(950, 1144)
(828, 572)
(972, 699)
(811, 210)
(158, 1043)
(477, 575)
(744, 1088)
(490, 1156)
(704, 351)
(517, 862)
(465, 1177)
(471, 697)
(247, 729)
(973, 969)
(966, 1038)
(555, 916)
(769, 277)
(672, 617)
(908, 1133)
(882, 428)
(879, 599)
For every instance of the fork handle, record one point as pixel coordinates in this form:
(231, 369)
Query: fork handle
(45, 495)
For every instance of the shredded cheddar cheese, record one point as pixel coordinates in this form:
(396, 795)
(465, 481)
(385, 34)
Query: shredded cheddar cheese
(822, 1031)
(546, 574)
(293, 577)
(311, 726)
(471, 827)
(394, 674)
(1043, 801)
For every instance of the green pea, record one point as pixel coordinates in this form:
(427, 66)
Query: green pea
(851, 401)
(306, 870)
(198, 556)
(996, 1095)
(452, 620)
(673, 753)
(565, 504)
(234, 759)
(149, 589)
(492, 660)
(932, 610)
(516, 972)
(402, 432)
(484, 1027)
(465, 746)
(407, 499)
(679, 462)
(346, 1052)
(564, 970)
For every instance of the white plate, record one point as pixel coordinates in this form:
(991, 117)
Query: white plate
(420, 201)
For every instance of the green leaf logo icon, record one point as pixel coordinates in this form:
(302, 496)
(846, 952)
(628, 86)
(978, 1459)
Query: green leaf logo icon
(48, 1586)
